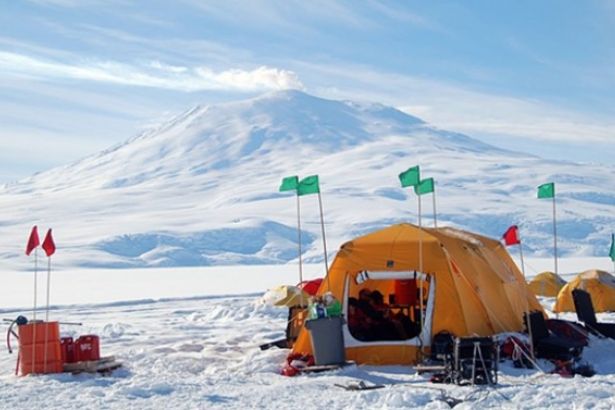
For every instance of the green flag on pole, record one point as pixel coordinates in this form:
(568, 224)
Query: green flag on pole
(289, 184)
(426, 186)
(410, 177)
(612, 252)
(546, 190)
(308, 185)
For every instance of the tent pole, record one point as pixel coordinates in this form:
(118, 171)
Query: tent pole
(324, 238)
(555, 237)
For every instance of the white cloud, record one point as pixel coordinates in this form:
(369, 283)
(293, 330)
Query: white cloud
(155, 74)
(262, 77)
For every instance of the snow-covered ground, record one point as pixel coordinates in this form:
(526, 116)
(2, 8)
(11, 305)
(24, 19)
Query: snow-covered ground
(189, 339)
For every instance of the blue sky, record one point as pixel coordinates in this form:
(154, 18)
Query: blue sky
(77, 76)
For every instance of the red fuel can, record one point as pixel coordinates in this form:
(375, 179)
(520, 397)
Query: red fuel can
(87, 348)
(39, 348)
(68, 350)
(405, 291)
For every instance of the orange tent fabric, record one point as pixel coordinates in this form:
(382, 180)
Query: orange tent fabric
(599, 284)
(473, 287)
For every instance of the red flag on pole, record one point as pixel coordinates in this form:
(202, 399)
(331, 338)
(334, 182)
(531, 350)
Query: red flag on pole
(48, 245)
(511, 236)
(33, 241)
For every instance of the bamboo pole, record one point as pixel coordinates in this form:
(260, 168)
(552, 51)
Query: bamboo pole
(34, 311)
(521, 255)
(47, 313)
(555, 237)
(420, 264)
(299, 245)
(435, 217)
(324, 239)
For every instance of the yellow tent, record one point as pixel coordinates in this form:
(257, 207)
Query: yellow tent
(470, 285)
(286, 295)
(547, 284)
(599, 284)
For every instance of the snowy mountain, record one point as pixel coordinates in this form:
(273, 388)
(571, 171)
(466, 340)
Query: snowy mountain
(202, 188)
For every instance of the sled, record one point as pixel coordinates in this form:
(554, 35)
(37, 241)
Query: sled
(105, 365)
(326, 367)
(359, 386)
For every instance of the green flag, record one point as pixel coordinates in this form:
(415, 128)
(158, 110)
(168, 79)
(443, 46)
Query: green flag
(289, 183)
(426, 186)
(546, 190)
(612, 252)
(308, 185)
(410, 177)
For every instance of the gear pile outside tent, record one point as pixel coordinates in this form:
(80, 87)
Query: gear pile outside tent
(471, 287)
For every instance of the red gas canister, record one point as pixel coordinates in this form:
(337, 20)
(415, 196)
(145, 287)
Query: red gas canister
(87, 348)
(68, 350)
(405, 292)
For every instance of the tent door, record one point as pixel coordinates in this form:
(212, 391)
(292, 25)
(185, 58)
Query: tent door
(423, 339)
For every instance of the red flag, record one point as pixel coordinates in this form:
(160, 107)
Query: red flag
(511, 236)
(48, 244)
(33, 241)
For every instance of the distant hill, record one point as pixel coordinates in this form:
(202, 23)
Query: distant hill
(202, 188)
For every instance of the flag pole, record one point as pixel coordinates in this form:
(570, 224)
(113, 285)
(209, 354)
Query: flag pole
(435, 217)
(555, 236)
(612, 251)
(324, 238)
(527, 304)
(521, 255)
(34, 311)
(47, 313)
(299, 245)
(48, 287)
(420, 264)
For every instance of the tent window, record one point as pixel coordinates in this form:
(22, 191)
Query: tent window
(386, 309)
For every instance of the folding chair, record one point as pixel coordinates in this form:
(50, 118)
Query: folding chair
(296, 317)
(548, 346)
(586, 314)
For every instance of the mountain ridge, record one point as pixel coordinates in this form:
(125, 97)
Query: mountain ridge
(211, 174)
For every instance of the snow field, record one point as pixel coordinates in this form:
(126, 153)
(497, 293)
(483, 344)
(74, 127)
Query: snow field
(201, 352)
